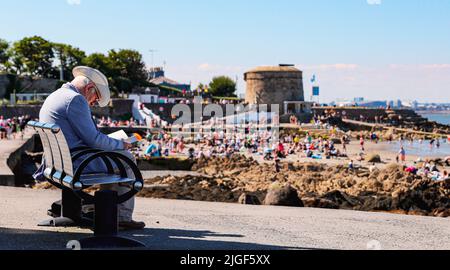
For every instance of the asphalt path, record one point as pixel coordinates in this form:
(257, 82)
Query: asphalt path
(190, 225)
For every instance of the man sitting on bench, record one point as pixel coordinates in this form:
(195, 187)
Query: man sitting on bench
(68, 107)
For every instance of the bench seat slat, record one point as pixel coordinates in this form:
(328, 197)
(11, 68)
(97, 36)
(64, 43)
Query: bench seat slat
(56, 153)
(65, 153)
(103, 179)
(47, 150)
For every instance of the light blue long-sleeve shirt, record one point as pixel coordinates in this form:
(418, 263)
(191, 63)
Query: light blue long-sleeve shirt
(68, 109)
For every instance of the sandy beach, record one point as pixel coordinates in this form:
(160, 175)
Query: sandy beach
(387, 152)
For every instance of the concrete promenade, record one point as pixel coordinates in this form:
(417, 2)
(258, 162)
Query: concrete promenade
(190, 225)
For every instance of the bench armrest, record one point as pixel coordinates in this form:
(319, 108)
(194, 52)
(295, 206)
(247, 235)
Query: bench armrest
(78, 153)
(117, 158)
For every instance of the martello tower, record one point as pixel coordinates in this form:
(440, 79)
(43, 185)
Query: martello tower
(274, 85)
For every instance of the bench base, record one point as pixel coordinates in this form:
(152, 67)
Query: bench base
(80, 215)
(109, 242)
(84, 223)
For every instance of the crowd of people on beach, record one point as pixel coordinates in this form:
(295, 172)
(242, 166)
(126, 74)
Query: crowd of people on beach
(212, 143)
(261, 144)
(12, 128)
(256, 143)
(251, 142)
(108, 122)
(428, 169)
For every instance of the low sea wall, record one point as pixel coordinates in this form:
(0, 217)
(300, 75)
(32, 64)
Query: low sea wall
(15, 168)
(368, 114)
(119, 109)
(165, 111)
(18, 110)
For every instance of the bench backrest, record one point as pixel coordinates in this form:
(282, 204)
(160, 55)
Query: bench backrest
(48, 156)
(65, 153)
(56, 150)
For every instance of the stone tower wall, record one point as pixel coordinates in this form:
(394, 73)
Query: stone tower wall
(274, 87)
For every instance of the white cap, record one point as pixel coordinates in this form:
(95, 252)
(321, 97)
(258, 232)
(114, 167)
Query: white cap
(98, 79)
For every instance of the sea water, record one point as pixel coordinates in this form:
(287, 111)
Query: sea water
(423, 149)
(439, 118)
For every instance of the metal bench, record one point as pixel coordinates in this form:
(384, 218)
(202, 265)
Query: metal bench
(59, 171)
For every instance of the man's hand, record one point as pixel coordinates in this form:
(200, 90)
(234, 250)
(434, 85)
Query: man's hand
(127, 146)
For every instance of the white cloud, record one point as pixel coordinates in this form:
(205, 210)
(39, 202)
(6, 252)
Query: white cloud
(437, 66)
(74, 2)
(330, 66)
(420, 67)
(218, 68)
(374, 2)
(349, 79)
(340, 66)
(208, 67)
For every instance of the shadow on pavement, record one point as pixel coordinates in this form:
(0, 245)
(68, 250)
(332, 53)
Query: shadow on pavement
(17, 239)
(173, 239)
(154, 239)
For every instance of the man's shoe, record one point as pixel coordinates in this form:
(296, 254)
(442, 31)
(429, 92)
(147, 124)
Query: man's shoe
(131, 225)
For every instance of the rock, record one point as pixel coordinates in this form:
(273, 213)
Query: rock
(316, 185)
(336, 141)
(383, 203)
(392, 167)
(283, 196)
(441, 212)
(211, 171)
(288, 166)
(374, 158)
(388, 185)
(319, 203)
(415, 211)
(248, 199)
(340, 198)
(369, 203)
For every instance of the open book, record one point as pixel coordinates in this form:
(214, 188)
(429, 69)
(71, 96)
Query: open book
(122, 136)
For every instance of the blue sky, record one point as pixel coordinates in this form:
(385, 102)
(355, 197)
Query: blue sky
(379, 49)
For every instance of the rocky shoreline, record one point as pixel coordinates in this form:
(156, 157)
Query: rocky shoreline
(244, 180)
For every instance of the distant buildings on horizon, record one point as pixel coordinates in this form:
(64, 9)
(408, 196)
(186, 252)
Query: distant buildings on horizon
(157, 77)
(395, 104)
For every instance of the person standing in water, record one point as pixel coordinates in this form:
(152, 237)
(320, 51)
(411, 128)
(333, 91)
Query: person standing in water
(402, 154)
(432, 143)
(344, 144)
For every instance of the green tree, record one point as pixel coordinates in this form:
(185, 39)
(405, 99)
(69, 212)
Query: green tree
(32, 56)
(119, 84)
(200, 87)
(98, 61)
(222, 86)
(70, 58)
(128, 64)
(4, 54)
